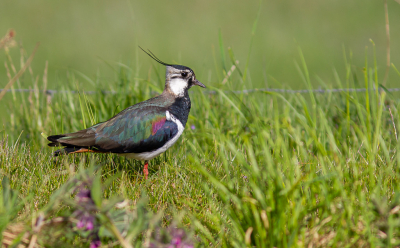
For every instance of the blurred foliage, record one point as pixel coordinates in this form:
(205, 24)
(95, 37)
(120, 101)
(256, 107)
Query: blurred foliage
(87, 219)
(91, 37)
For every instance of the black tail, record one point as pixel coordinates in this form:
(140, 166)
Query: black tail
(80, 141)
(64, 151)
(54, 140)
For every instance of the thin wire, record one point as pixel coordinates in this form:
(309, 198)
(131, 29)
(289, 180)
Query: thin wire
(286, 91)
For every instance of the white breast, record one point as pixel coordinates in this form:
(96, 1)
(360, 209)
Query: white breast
(155, 153)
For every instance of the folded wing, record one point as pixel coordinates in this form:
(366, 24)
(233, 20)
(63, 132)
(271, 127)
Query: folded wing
(131, 131)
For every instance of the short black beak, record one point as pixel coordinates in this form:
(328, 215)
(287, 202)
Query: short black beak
(197, 82)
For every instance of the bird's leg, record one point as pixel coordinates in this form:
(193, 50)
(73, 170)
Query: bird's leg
(145, 169)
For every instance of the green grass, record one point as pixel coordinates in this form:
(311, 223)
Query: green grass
(251, 170)
(260, 169)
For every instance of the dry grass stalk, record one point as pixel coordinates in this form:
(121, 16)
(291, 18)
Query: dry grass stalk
(19, 74)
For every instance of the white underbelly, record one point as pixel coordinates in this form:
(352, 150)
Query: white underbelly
(152, 154)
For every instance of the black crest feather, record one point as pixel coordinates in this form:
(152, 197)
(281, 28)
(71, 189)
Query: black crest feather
(154, 57)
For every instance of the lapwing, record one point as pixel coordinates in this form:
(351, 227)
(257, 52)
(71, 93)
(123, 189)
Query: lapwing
(142, 131)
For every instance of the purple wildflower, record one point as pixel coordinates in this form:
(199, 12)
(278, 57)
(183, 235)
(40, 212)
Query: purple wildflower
(95, 243)
(193, 127)
(178, 239)
(80, 224)
(89, 223)
(84, 220)
(85, 214)
(83, 194)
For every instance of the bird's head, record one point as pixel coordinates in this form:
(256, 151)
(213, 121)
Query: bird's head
(178, 78)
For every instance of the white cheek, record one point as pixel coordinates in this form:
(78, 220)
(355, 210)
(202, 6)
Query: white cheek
(178, 86)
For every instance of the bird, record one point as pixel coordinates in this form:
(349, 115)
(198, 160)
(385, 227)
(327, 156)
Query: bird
(141, 131)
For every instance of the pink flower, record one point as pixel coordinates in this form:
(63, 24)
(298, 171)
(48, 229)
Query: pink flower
(95, 244)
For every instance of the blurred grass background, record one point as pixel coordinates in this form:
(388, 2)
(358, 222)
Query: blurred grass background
(88, 36)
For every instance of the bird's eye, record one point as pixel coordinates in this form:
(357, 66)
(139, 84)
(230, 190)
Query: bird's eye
(184, 74)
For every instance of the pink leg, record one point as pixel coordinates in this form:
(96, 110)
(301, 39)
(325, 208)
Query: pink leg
(145, 169)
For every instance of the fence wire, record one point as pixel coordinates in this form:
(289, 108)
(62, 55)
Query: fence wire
(286, 91)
